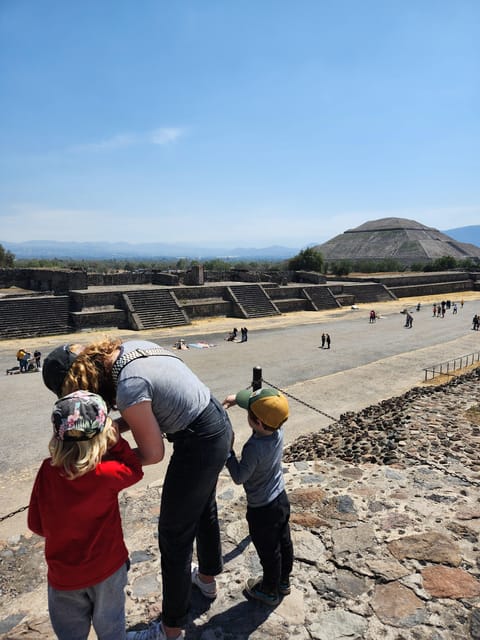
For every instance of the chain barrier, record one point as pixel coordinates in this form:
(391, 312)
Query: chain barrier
(14, 513)
(434, 465)
(326, 415)
(407, 456)
(305, 404)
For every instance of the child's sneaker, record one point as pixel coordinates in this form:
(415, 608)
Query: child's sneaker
(254, 589)
(154, 631)
(209, 589)
(284, 588)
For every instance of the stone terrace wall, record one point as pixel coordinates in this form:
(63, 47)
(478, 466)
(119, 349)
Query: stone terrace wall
(47, 280)
(125, 277)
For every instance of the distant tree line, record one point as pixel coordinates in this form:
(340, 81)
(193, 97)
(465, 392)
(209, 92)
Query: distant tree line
(306, 260)
(130, 264)
(311, 260)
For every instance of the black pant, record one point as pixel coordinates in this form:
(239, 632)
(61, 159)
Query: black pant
(270, 532)
(188, 509)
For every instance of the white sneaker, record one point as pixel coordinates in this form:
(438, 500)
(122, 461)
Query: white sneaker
(209, 589)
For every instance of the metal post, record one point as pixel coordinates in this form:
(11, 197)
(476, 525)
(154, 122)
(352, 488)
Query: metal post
(257, 378)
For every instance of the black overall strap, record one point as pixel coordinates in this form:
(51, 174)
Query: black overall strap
(134, 355)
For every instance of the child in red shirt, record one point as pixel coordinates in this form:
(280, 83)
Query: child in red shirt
(74, 506)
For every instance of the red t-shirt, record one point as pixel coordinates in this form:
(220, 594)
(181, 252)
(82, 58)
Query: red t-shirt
(80, 518)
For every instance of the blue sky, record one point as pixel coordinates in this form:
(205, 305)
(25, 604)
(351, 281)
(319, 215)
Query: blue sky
(236, 122)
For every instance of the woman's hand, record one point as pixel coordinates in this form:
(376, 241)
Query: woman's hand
(146, 432)
(230, 401)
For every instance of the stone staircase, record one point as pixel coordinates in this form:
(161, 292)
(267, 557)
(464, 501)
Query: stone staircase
(31, 317)
(252, 301)
(370, 292)
(322, 298)
(154, 309)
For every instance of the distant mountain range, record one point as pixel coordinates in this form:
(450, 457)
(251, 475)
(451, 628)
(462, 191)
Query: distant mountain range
(469, 234)
(153, 250)
(148, 251)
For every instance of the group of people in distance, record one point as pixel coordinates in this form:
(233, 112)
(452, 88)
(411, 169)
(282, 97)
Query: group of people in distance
(232, 336)
(74, 501)
(27, 362)
(440, 308)
(326, 341)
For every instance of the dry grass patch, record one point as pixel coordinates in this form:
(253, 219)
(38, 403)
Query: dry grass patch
(444, 378)
(473, 415)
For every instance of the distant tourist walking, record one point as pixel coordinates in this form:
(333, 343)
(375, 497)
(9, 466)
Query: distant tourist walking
(373, 316)
(323, 340)
(327, 340)
(244, 332)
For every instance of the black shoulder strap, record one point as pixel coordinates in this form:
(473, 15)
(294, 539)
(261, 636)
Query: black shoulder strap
(134, 355)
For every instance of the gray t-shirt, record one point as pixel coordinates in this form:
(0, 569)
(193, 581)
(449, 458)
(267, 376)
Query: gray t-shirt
(176, 394)
(260, 468)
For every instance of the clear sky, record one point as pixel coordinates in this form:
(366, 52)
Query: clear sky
(242, 123)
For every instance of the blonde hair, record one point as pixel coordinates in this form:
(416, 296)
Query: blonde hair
(91, 371)
(78, 458)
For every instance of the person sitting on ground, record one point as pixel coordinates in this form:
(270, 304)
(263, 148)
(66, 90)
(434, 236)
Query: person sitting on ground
(268, 509)
(74, 505)
(231, 336)
(180, 344)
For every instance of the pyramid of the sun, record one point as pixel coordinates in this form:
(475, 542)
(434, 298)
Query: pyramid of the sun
(405, 241)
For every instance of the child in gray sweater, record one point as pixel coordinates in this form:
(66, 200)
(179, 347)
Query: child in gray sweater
(268, 510)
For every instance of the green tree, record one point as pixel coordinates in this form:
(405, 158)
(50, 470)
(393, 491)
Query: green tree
(307, 260)
(216, 264)
(6, 258)
(441, 264)
(341, 268)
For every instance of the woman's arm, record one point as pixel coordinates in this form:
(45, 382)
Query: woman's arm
(146, 432)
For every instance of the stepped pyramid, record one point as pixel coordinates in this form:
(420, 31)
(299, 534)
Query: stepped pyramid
(406, 241)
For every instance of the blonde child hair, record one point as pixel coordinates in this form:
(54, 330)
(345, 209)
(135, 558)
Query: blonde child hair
(83, 433)
(78, 458)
